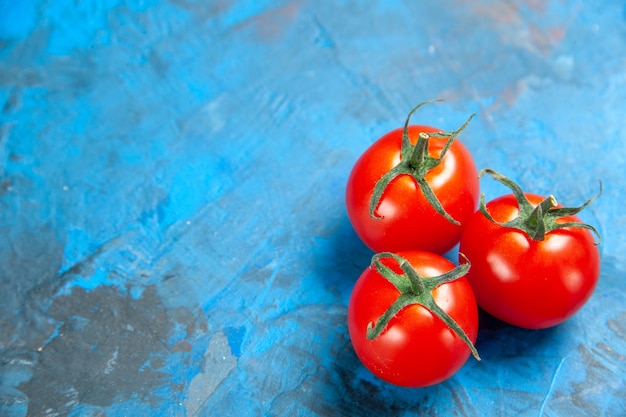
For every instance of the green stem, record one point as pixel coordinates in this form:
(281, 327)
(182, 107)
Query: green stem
(540, 220)
(415, 289)
(406, 141)
(416, 162)
(420, 151)
(536, 222)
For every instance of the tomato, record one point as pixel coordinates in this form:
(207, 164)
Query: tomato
(528, 279)
(425, 201)
(413, 318)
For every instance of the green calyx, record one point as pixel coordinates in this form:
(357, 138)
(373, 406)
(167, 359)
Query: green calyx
(416, 162)
(415, 289)
(539, 220)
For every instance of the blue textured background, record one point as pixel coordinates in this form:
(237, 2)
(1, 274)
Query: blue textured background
(173, 235)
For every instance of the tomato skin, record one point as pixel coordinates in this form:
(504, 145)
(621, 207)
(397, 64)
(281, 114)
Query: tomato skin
(527, 283)
(409, 221)
(416, 349)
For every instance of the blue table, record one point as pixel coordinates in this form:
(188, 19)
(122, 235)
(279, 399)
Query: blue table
(173, 233)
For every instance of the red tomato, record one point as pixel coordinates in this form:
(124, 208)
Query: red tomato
(406, 218)
(527, 282)
(415, 347)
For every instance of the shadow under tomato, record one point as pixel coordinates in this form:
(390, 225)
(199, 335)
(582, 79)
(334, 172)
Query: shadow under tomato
(497, 338)
(340, 258)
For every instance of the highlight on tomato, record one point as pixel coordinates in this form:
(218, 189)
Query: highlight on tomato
(534, 262)
(413, 318)
(414, 188)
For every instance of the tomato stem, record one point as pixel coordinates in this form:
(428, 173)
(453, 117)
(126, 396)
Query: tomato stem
(415, 289)
(420, 151)
(416, 162)
(537, 221)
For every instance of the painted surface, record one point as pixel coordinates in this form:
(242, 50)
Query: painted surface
(173, 235)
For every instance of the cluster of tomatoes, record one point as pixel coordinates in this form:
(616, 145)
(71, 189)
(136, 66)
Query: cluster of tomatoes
(412, 196)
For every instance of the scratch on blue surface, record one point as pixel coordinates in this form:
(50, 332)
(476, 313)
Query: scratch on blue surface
(552, 386)
(324, 37)
(275, 267)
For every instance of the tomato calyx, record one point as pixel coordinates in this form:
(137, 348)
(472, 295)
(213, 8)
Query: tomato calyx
(416, 162)
(415, 289)
(537, 221)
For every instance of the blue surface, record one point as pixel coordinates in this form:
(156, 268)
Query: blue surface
(173, 235)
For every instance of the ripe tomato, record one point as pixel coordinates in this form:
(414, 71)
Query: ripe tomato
(531, 282)
(412, 318)
(428, 188)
